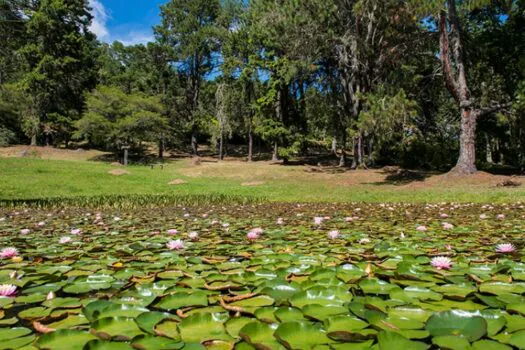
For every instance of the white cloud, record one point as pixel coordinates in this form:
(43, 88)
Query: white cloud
(135, 38)
(100, 18)
(128, 34)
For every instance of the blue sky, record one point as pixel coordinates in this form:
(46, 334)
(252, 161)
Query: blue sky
(128, 21)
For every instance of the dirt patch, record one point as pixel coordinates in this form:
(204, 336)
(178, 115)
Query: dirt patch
(177, 182)
(253, 183)
(49, 153)
(118, 172)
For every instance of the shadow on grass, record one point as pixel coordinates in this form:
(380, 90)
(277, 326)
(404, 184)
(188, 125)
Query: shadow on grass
(398, 177)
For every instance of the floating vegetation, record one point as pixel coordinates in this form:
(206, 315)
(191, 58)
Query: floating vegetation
(263, 276)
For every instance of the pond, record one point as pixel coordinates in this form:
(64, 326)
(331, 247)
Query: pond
(266, 276)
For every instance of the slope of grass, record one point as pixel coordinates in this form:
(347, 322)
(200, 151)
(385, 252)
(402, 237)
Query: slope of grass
(27, 178)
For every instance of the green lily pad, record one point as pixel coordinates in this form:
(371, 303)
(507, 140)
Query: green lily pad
(121, 327)
(64, 339)
(393, 341)
(450, 342)
(202, 327)
(181, 300)
(301, 335)
(457, 323)
(260, 335)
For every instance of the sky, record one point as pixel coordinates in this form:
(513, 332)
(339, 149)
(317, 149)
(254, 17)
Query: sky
(128, 21)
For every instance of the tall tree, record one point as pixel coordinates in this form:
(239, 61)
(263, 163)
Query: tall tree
(58, 51)
(188, 28)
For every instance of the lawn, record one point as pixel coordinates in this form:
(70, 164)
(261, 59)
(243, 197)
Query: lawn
(29, 178)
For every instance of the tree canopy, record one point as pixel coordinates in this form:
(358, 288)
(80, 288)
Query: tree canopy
(430, 84)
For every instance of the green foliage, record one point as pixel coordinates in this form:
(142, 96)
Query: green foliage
(115, 118)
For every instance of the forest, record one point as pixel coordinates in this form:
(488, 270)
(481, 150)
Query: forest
(427, 84)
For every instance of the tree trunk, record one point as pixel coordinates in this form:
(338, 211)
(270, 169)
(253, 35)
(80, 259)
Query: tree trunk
(342, 159)
(371, 160)
(221, 140)
(488, 149)
(333, 150)
(275, 151)
(467, 144)
(194, 144)
(250, 144)
(33, 139)
(161, 147)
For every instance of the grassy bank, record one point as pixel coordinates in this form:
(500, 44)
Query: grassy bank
(29, 179)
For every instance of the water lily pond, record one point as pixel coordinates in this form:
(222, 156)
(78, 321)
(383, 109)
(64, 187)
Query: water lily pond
(272, 276)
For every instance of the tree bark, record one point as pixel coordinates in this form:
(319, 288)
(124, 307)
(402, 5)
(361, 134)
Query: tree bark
(456, 84)
(333, 150)
(489, 158)
(275, 158)
(161, 147)
(250, 144)
(342, 159)
(33, 139)
(467, 144)
(221, 140)
(194, 143)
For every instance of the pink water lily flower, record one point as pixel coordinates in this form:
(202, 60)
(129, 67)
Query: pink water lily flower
(421, 228)
(7, 290)
(505, 248)
(443, 215)
(76, 231)
(349, 219)
(447, 226)
(252, 236)
(483, 216)
(65, 239)
(364, 240)
(333, 234)
(8, 252)
(441, 263)
(501, 217)
(193, 235)
(318, 220)
(172, 231)
(25, 231)
(280, 221)
(225, 225)
(41, 224)
(175, 245)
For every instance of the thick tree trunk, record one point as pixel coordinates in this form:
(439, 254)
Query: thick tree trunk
(467, 144)
(333, 150)
(33, 139)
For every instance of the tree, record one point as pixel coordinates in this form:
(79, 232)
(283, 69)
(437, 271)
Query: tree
(58, 52)
(114, 119)
(455, 65)
(188, 29)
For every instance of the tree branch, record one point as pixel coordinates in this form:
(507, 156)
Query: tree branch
(493, 109)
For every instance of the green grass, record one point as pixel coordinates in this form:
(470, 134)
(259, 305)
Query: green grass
(29, 179)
